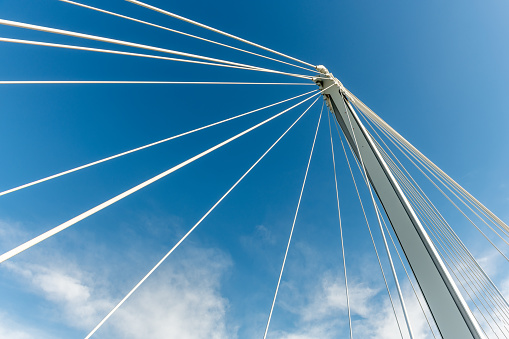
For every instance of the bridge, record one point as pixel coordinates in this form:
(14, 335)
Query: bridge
(403, 200)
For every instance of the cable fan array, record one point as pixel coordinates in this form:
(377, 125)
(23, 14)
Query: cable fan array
(490, 308)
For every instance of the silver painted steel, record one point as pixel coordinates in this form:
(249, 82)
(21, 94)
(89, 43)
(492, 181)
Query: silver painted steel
(452, 315)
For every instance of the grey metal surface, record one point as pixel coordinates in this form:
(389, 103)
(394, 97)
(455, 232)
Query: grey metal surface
(450, 311)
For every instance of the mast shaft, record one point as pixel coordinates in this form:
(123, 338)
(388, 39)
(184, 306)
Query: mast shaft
(450, 311)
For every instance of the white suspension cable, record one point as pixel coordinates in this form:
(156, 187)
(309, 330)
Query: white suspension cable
(449, 260)
(365, 176)
(471, 280)
(437, 219)
(145, 146)
(136, 45)
(396, 172)
(455, 255)
(340, 230)
(414, 151)
(113, 200)
(293, 226)
(402, 264)
(459, 209)
(458, 247)
(109, 51)
(448, 184)
(369, 229)
(461, 252)
(455, 258)
(368, 112)
(460, 243)
(194, 227)
(182, 33)
(459, 261)
(216, 30)
(470, 220)
(105, 82)
(409, 279)
(434, 174)
(496, 297)
(453, 268)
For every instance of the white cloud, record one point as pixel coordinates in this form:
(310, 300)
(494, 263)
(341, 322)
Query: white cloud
(76, 298)
(504, 287)
(11, 234)
(317, 331)
(182, 299)
(259, 239)
(265, 235)
(182, 302)
(14, 330)
(324, 315)
(491, 261)
(331, 297)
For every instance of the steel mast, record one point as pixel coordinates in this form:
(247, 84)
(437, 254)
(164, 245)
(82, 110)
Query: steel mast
(452, 315)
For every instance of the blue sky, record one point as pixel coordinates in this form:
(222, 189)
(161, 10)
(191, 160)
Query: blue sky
(437, 72)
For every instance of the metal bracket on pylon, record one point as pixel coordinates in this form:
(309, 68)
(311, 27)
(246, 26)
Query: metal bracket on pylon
(319, 81)
(452, 315)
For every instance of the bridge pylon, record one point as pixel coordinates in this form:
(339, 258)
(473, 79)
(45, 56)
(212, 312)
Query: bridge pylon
(451, 313)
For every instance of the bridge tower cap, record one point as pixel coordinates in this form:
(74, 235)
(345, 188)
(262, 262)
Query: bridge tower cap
(322, 69)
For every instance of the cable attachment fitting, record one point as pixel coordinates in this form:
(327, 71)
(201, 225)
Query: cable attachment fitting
(325, 81)
(339, 84)
(322, 69)
(324, 74)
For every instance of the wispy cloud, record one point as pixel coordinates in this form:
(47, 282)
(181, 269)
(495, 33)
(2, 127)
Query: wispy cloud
(78, 300)
(324, 312)
(330, 297)
(11, 234)
(487, 312)
(185, 299)
(182, 300)
(260, 238)
(12, 329)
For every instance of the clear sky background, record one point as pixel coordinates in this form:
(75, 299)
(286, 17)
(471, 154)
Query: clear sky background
(435, 71)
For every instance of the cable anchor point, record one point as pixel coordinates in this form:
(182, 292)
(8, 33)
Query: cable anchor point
(323, 70)
(319, 80)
